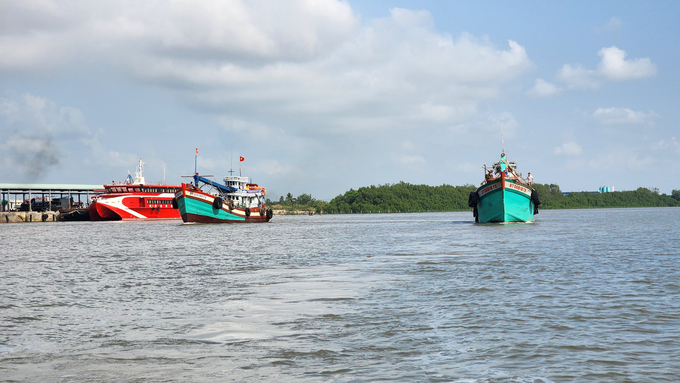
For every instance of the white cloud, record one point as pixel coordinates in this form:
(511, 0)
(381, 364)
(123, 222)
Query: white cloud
(308, 83)
(569, 149)
(615, 67)
(65, 31)
(612, 67)
(617, 116)
(317, 61)
(30, 114)
(544, 89)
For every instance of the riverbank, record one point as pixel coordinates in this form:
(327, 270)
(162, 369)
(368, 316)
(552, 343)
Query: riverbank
(294, 212)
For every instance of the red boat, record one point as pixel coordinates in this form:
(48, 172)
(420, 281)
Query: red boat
(134, 200)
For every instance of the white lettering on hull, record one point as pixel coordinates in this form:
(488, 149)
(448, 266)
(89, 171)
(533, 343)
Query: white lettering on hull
(489, 189)
(521, 189)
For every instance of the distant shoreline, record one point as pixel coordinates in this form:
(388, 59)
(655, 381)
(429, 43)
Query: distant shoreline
(408, 198)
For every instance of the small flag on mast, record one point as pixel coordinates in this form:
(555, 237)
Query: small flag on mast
(196, 150)
(241, 159)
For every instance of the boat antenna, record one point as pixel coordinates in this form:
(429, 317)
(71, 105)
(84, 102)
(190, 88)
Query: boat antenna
(231, 167)
(502, 138)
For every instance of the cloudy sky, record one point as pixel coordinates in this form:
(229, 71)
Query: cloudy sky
(321, 96)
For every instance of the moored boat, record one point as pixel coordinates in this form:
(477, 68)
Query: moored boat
(235, 201)
(504, 196)
(134, 200)
(74, 214)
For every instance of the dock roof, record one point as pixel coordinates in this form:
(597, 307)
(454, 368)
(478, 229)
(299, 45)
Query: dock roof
(49, 187)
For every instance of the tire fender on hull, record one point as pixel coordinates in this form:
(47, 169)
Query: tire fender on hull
(217, 203)
(473, 199)
(535, 199)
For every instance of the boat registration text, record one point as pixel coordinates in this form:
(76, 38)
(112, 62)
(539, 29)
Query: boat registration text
(199, 196)
(489, 189)
(519, 188)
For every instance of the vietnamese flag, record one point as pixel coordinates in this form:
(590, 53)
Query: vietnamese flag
(196, 150)
(241, 159)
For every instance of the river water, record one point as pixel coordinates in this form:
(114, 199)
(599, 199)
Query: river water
(579, 295)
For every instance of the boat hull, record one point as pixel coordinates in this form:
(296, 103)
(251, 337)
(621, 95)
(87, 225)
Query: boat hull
(503, 200)
(139, 206)
(75, 214)
(196, 206)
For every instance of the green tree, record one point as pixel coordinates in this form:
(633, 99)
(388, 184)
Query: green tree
(405, 197)
(304, 199)
(675, 195)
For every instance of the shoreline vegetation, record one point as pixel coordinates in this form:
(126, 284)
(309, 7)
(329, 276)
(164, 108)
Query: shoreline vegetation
(403, 197)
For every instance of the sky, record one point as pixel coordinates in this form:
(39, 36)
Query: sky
(323, 96)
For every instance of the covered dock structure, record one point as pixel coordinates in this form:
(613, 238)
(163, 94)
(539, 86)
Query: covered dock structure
(14, 195)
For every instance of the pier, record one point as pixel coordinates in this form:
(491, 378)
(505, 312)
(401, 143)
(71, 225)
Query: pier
(40, 202)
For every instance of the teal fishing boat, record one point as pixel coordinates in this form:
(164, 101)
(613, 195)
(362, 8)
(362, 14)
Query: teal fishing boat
(504, 196)
(234, 201)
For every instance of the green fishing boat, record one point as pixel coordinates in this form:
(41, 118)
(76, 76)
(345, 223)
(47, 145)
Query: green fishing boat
(235, 201)
(504, 196)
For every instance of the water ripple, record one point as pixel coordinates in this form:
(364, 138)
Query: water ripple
(577, 296)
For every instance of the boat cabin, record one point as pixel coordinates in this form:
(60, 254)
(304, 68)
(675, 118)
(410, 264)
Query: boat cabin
(246, 194)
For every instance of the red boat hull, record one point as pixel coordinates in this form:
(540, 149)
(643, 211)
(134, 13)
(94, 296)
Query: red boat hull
(135, 205)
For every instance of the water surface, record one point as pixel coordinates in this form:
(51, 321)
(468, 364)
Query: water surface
(579, 295)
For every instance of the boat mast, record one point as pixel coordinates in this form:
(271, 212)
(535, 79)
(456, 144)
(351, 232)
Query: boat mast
(196, 168)
(139, 177)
